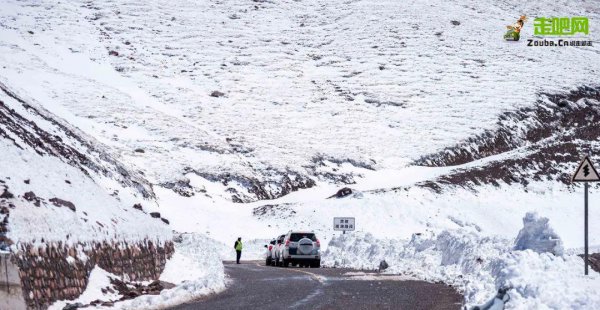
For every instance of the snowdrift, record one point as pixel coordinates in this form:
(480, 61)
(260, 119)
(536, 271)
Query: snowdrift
(475, 265)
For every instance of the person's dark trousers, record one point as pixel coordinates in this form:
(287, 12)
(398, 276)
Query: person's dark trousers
(239, 255)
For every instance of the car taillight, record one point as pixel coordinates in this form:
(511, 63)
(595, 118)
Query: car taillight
(287, 243)
(318, 243)
(270, 247)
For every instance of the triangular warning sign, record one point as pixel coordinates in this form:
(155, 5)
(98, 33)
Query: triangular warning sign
(586, 172)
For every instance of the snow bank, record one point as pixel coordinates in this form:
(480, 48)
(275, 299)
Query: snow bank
(99, 279)
(475, 265)
(538, 236)
(196, 269)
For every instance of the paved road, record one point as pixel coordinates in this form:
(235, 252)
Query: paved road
(255, 286)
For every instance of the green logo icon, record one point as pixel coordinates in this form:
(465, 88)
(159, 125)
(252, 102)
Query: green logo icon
(514, 31)
(561, 26)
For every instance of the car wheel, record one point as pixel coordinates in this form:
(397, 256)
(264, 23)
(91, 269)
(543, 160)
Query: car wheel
(267, 261)
(286, 263)
(316, 264)
(294, 264)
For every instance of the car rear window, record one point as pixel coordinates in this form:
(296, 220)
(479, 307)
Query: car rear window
(295, 237)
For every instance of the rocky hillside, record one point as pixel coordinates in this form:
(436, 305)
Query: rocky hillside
(539, 143)
(56, 183)
(184, 91)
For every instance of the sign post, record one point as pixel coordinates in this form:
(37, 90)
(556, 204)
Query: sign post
(586, 173)
(344, 223)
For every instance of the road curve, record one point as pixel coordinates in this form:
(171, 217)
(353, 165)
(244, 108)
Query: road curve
(255, 286)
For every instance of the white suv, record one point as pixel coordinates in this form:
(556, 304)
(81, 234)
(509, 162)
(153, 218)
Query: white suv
(269, 257)
(300, 248)
(276, 251)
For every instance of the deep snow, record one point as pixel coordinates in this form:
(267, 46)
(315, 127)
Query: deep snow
(477, 266)
(380, 82)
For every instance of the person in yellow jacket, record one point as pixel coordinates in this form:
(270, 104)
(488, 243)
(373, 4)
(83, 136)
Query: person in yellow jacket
(238, 249)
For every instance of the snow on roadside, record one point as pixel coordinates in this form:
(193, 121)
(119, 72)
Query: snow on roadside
(99, 279)
(475, 265)
(195, 269)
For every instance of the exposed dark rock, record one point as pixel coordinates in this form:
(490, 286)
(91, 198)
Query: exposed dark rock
(26, 181)
(558, 131)
(217, 94)
(593, 261)
(113, 53)
(133, 290)
(155, 215)
(4, 241)
(274, 184)
(337, 177)
(31, 197)
(379, 103)
(344, 192)
(181, 187)
(383, 265)
(281, 211)
(320, 159)
(455, 22)
(62, 203)
(139, 150)
(6, 194)
(74, 306)
(165, 220)
(138, 206)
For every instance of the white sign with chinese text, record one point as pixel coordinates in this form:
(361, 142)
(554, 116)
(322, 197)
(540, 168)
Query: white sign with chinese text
(344, 223)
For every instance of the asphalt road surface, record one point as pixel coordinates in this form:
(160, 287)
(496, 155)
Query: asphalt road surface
(255, 286)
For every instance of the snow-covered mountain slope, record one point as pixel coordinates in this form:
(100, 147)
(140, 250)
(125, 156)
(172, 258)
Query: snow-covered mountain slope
(58, 185)
(215, 102)
(538, 143)
(191, 107)
(255, 93)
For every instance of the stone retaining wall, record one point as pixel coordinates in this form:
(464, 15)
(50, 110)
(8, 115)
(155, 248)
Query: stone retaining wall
(56, 271)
